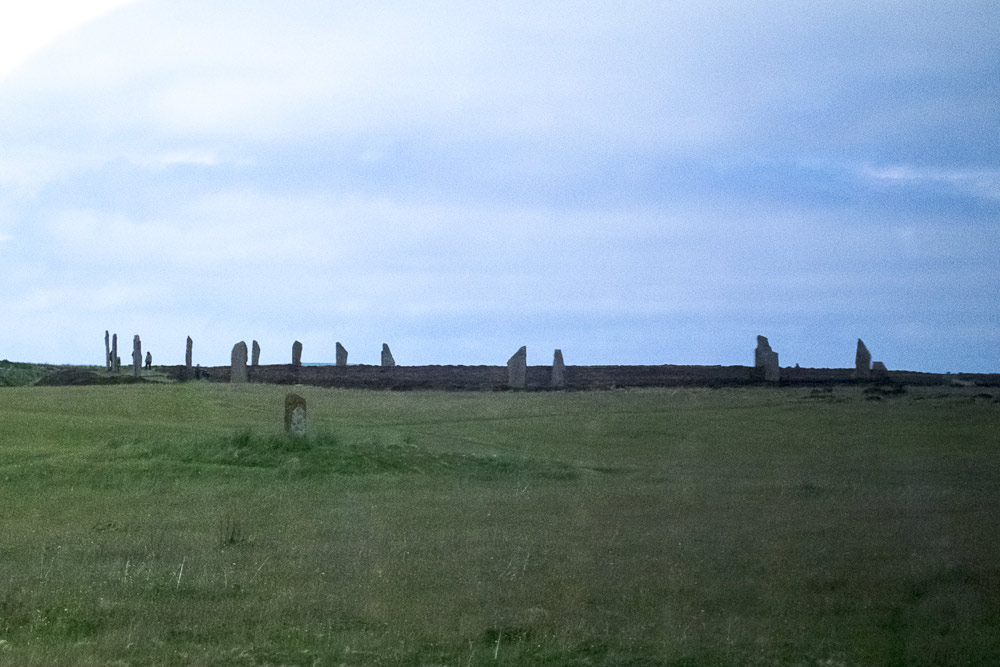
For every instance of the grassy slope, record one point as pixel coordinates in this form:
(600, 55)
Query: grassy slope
(173, 525)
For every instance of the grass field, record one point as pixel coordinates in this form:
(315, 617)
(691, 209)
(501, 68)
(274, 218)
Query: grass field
(176, 525)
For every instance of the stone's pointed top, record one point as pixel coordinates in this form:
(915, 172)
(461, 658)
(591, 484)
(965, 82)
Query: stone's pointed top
(387, 360)
(762, 342)
(341, 355)
(521, 353)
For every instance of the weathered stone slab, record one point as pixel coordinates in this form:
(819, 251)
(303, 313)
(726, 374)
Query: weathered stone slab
(766, 361)
(149, 361)
(116, 361)
(188, 356)
(862, 361)
(255, 354)
(239, 371)
(296, 353)
(517, 369)
(387, 360)
(295, 415)
(341, 355)
(136, 356)
(879, 371)
(558, 371)
(107, 350)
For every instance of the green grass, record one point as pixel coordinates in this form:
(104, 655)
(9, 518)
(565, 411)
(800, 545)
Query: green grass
(177, 525)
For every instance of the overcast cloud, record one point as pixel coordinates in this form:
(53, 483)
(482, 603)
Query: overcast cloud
(633, 183)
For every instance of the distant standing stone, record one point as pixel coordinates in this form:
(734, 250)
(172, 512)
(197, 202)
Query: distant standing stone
(766, 361)
(341, 355)
(136, 356)
(107, 350)
(116, 361)
(296, 353)
(295, 415)
(239, 364)
(862, 361)
(187, 356)
(558, 371)
(149, 361)
(255, 354)
(879, 370)
(517, 369)
(387, 360)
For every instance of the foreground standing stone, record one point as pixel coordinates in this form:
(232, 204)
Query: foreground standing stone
(239, 364)
(387, 360)
(116, 362)
(296, 353)
(765, 361)
(862, 361)
(107, 350)
(255, 354)
(136, 356)
(187, 356)
(295, 415)
(341, 355)
(558, 371)
(517, 369)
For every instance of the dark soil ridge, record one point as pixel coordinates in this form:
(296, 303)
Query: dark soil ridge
(494, 378)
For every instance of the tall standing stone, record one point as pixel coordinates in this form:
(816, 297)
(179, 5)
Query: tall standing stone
(188, 357)
(558, 371)
(387, 360)
(341, 355)
(116, 362)
(107, 350)
(295, 415)
(136, 356)
(255, 354)
(239, 364)
(296, 353)
(517, 369)
(862, 361)
(765, 361)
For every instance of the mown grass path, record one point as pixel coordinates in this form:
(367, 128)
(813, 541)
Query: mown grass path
(176, 525)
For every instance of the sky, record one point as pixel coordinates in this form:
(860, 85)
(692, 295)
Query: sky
(633, 183)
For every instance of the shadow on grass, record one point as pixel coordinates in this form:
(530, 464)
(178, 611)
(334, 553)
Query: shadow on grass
(325, 454)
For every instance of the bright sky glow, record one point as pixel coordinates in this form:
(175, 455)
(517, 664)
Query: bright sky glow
(27, 27)
(633, 183)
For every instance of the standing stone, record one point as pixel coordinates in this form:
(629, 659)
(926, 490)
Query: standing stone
(116, 362)
(765, 361)
(107, 350)
(136, 356)
(187, 356)
(296, 353)
(295, 415)
(149, 361)
(255, 354)
(387, 360)
(558, 371)
(341, 355)
(879, 371)
(239, 364)
(517, 369)
(862, 361)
